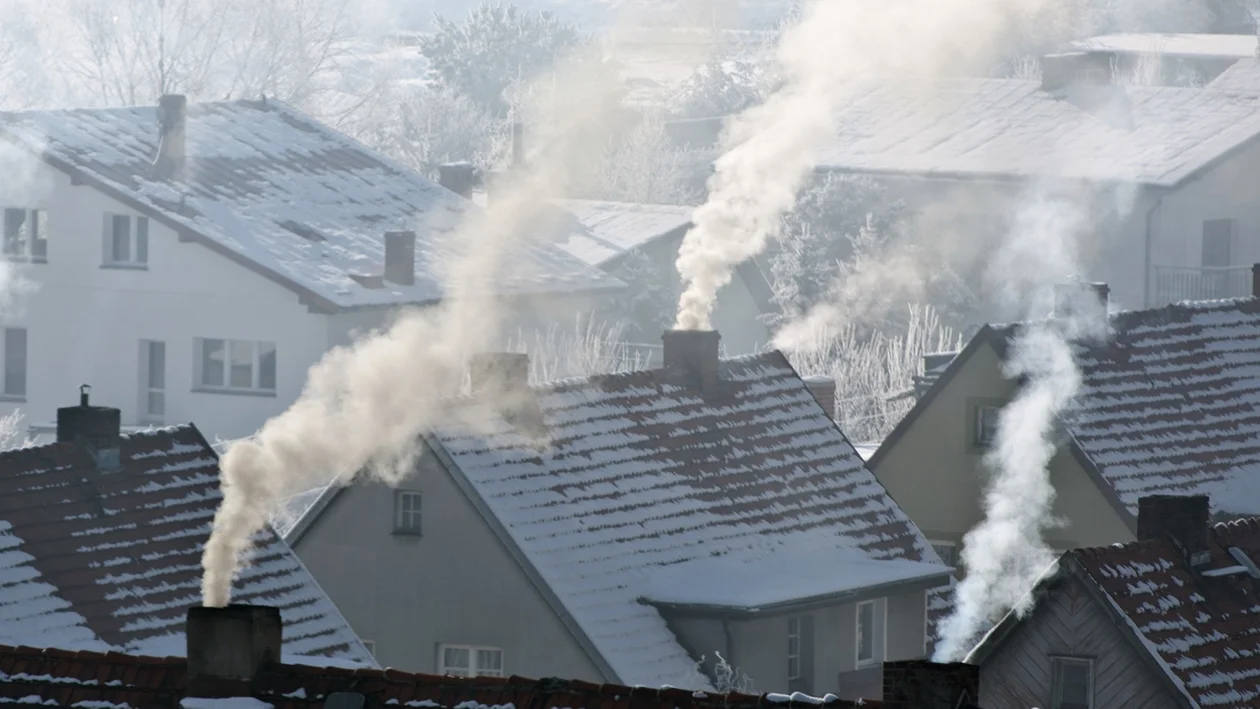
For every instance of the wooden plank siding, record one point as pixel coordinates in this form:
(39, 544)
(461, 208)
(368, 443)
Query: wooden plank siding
(1068, 621)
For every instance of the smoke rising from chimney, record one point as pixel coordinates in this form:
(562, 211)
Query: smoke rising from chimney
(770, 150)
(365, 406)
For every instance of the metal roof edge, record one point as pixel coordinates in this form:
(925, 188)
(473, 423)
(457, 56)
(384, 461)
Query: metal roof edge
(311, 514)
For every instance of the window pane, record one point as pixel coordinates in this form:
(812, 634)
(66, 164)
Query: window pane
(142, 239)
(266, 366)
(212, 360)
(1074, 683)
(157, 403)
(866, 631)
(15, 362)
(157, 365)
(489, 660)
(121, 239)
(14, 221)
(456, 660)
(242, 373)
(39, 245)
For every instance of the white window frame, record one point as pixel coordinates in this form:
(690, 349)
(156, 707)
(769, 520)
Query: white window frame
(35, 221)
(1056, 686)
(414, 524)
(147, 390)
(137, 241)
(473, 669)
(256, 349)
(794, 657)
(876, 650)
(5, 393)
(980, 440)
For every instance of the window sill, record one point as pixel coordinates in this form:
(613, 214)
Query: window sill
(13, 398)
(235, 392)
(23, 259)
(125, 266)
(407, 533)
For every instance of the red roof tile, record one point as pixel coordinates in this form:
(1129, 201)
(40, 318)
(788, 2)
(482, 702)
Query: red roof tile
(60, 678)
(111, 560)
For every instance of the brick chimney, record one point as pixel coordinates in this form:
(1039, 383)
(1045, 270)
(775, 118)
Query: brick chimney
(824, 391)
(228, 646)
(691, 357)
(1183, 519)
(502, 380)
(97, 428)
(920, 684)
(458, 177)
(1070, 298)
(400, 257)
(172, 115)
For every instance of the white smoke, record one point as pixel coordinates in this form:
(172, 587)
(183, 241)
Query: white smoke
(365, 406)
(26, 185)
(1006, 552)
(770, 150)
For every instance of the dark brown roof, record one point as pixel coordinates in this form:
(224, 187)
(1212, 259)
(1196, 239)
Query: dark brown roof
(1200, 627)
(101, 560)
(63, 679)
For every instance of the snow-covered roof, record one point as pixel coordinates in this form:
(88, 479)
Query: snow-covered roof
(1199, 632)
(1243, 76)
(1171, 44)
(93, 560)
(56, 678)
(1008, 128)
(610, 229)
(641, 473)
(284, 195)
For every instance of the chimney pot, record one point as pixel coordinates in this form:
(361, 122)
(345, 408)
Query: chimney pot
(400, 257)
(1184, 519)
(824, 391)
(228, 646)
(458, 177)
(1255, 280)
(172, 120)
(692, 356)
(920, 684)
(97, 428)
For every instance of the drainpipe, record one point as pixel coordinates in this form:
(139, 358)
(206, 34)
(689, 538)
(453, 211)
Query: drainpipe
(1147, 276)
(730, 646)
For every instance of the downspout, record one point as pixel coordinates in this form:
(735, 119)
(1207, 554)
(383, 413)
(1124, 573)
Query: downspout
(1147, 276)
(730, 646)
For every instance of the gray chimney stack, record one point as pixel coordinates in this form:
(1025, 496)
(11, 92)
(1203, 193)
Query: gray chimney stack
(228, 646)
(1073, 299)
(824, 391)
(920, 684)
(1183, 519)
(692, 357)
(172, 115)
(400, 257)
(458, 177)
(1059, 71)
(97, 428)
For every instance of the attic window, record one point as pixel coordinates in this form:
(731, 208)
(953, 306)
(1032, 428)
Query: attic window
(303, 231)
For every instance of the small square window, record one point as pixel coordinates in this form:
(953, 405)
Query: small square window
(470, 661)
(1073, 683)
(986, 423)
(406, 512)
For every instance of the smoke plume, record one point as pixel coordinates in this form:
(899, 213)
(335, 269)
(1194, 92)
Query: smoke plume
(1006, 552)
(770, 149)
(365, 406)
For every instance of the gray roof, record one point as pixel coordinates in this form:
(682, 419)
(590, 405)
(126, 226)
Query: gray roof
(1171, 44)
(1007, 128)
(1243, 76)
(284, 195)
(610, 229)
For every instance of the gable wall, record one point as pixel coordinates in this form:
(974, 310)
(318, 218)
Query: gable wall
(455, 584)
(1069, 622)
(938, 477)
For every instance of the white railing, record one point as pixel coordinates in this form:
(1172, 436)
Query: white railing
(1177, 283)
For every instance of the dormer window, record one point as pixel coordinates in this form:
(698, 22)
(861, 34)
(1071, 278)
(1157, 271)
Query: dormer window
(126, 241)
(26, 235)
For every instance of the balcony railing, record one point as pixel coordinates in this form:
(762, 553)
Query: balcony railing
(1176, 283)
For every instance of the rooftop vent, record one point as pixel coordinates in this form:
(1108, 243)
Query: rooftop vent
(97, 428)
(691, 356)
(400, 257)
(172, 114)
(228, 646)
(1182, 519)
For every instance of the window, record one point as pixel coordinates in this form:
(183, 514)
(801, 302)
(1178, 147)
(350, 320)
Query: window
(868, 634)
(947, 551)
(126, 241)
(470, 661)
(794, 647)
(986, 425)
(235, 365)
(152, 380)
(1073, 683)
(406, 512)
(26, 235)
(15, 362)
(1217, 239)
(371, 647)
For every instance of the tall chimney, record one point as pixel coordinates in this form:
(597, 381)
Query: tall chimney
(97, 428)
(458, 177)
(228, 646)
(1183, 519)
(518, 144)
(692, 357)
(400, 257)
(172, 118)
(824, 391)
(920, 684)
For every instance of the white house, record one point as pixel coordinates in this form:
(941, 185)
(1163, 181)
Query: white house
(193, 262)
